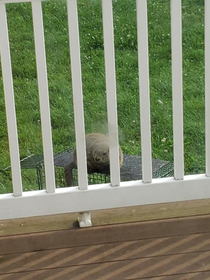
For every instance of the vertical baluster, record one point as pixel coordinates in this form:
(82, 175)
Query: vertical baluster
(176, 44)
(10, 103)
(43, 96)
(143, 59)
(77, 93)
(111, 91)
(207, 84)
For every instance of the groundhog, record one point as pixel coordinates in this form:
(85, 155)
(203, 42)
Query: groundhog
(97, 150)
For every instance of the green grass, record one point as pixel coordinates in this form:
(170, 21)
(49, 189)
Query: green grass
(93, 76)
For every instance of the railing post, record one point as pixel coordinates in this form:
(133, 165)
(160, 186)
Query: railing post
(143, 61)
(177, 91)
(111, 91)
(77, 93)
(207, 84)
(43, 96)
(10, 103)
(84, 219)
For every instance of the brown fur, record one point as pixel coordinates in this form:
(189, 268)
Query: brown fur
(97, 150)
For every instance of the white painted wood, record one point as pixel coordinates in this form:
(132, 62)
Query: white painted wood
(176, 45)
(10, 103)
(207, 84)
(63, 200)
(84, 219)
(143, 60)
(77, 93)
(111, 91)
(43, 96)
(38, 203)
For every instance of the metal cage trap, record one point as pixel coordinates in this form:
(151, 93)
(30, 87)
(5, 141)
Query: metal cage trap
(131, 169)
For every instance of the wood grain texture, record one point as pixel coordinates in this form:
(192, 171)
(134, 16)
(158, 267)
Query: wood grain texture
(168, 249)
(103, 217)
(104, 234)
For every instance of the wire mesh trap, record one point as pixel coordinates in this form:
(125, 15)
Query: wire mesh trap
(131, 169)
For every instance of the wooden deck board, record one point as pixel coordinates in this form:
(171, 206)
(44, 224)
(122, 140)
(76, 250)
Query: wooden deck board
(104, 234)
(104, 217)
(126, 269)
(117, 251)
(169, 249)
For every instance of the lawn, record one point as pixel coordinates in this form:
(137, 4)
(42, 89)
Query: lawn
(93, 76)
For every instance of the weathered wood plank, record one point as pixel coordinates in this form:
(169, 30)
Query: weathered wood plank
(37, 224)
(126, 269)
(186, 276)
(104, 234)
(130, 250)
(119, 215)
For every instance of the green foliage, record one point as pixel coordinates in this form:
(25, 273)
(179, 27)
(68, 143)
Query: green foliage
(93, 76)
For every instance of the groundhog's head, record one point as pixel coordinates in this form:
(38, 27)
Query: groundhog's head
(101, 155)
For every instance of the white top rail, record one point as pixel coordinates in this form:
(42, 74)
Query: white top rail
(66, 200)
(111, 91)
(143, 60)
(207, 84)
(176, 45)
(77, 93)
(43, 96)
(10, 103)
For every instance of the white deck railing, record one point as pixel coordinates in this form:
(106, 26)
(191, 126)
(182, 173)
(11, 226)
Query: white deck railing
(86, 198)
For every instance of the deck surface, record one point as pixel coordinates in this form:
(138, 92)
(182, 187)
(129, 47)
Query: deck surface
(168, 249)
